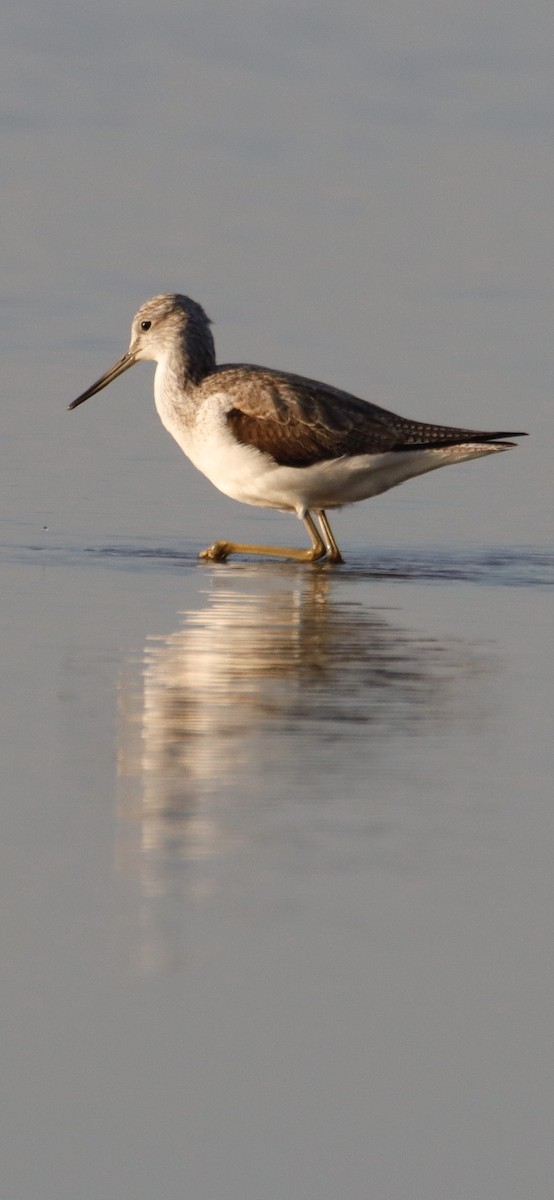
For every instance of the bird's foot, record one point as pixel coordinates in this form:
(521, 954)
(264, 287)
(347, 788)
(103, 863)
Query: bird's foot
(218, 551)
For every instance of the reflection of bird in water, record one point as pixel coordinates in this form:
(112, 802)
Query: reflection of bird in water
(272, 687)
(277, 440)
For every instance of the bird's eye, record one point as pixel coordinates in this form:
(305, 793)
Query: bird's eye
(145, 325)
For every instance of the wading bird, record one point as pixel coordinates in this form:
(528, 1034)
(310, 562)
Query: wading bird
(277, 440)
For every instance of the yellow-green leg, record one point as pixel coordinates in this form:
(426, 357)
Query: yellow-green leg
(219, 551)
(333, 553)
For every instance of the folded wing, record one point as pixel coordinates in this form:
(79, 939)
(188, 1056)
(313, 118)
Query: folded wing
(299, 421)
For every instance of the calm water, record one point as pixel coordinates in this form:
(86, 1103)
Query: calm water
(277, 875)
(277, 855)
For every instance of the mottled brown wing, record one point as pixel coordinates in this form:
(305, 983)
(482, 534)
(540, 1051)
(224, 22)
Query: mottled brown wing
(300, 421)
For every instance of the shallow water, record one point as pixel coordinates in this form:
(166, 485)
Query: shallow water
(277, 873)
(277, 853)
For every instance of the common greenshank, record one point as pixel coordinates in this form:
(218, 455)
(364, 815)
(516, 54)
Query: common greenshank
(277, 440)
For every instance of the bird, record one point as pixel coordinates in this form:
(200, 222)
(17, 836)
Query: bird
(277, 440)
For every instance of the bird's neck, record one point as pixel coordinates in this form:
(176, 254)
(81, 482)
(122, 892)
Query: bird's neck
(179, 371)
(173, 391)
(183, 366)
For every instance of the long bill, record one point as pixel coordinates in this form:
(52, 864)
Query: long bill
(118, 368)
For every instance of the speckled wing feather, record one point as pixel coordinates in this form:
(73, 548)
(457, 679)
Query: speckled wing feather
(299, 421)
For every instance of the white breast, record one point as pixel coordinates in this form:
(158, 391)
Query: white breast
(200, 429)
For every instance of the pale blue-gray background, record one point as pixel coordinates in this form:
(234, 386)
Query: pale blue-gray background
(277, 854)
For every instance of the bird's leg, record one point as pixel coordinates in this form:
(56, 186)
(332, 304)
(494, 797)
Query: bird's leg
(219, 551)
(333, 553)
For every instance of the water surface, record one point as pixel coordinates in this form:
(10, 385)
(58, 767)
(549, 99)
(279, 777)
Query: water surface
(277, 854)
